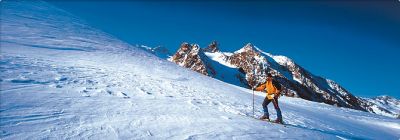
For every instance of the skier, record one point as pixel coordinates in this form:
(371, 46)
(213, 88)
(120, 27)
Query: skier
(273, 89)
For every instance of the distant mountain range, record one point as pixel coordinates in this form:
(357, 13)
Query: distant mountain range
(248, 66)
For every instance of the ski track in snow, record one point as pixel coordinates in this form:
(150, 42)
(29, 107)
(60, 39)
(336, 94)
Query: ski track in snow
(62, 79)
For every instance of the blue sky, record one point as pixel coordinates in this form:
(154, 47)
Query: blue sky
(356, 44)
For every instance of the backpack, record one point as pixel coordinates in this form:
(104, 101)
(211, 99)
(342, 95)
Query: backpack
(276, 84)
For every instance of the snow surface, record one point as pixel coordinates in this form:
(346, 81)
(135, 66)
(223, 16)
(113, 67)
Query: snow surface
(62, 79)
(219, 57)
(386, 102)
(284, 61)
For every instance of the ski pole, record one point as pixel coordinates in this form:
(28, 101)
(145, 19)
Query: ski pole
(254, 74)
(253, 102)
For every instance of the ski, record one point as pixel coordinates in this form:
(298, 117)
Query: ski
(270, 121)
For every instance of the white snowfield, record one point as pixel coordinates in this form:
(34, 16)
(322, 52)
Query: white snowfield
(61, 79)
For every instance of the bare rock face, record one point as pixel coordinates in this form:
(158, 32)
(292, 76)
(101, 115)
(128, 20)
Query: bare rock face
(251, 63)
(249, 66)
(213, 47)
(191, 56)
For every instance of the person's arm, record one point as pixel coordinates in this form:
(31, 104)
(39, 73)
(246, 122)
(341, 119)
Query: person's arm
(260, 88)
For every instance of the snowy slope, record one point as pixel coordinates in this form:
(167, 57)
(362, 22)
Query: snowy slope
(61, 79)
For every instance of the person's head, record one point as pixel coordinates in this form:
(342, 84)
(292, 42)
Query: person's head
(269, 76)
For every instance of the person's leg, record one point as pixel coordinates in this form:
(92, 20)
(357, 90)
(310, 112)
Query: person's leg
(265, 107)
(278, 110)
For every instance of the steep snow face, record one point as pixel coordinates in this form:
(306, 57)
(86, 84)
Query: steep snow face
(219, 57)
(61, 79)
(287, 62)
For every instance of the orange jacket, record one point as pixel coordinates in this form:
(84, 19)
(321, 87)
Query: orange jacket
(272, 91)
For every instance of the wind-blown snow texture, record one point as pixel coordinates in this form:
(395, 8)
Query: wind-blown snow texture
(63, 79)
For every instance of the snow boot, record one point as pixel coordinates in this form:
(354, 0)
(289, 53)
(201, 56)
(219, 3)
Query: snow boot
(278, 121)
(264, 117)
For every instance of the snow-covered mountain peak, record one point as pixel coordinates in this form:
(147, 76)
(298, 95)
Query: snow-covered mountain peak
(247, 48)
